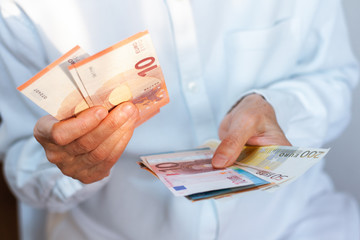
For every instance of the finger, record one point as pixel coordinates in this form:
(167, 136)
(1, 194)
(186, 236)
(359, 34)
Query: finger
(224, 126)
(102, 170)
(114, 121)
(42, 132)
(232, 144)
(115, 154)
(57, 155)
(81, 166)
(91, 175)
(104, 150)
(65, 132)
(118, 148)
(42, 129)
(98, 163)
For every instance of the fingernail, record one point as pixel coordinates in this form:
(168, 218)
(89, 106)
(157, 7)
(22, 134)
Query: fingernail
(219, 160)
(101, 113)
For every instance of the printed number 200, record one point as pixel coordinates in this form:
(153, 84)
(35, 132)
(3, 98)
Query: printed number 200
(313, 154)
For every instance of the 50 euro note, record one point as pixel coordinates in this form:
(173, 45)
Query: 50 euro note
(55, 90)
(126, 71)
(280, 165)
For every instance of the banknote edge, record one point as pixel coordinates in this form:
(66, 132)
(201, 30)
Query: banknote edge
(48, 68)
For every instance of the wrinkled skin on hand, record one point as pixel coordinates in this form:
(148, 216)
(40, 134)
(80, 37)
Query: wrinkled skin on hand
(251, 122)
(87, 146)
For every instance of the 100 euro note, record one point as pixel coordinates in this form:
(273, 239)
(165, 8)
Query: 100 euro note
(190, 173)
(55, 90)
(126, 71)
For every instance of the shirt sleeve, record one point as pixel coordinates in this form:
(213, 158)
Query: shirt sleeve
(31, 177)
(313, 105)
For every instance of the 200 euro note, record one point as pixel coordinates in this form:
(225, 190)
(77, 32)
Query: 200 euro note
(126, 71)
(54, 89)
(190, 173)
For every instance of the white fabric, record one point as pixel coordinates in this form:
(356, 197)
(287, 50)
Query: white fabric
(31, 222)
(295, 53)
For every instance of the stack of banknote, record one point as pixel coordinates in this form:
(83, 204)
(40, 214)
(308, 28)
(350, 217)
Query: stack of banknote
(126, 71)
(190, 173)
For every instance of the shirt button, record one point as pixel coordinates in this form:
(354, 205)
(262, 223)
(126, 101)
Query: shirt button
(192, 87)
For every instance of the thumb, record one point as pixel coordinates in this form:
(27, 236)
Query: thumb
(230, 147)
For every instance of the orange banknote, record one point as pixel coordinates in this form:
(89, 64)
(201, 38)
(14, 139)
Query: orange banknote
(126, 71)
(53, 88)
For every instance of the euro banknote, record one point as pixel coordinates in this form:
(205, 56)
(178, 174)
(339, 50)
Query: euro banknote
(53, 88)
(126, 71)
(190, 173)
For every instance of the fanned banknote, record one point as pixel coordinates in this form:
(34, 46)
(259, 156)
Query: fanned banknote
(54, 89)
(190, 173)
(126, 71)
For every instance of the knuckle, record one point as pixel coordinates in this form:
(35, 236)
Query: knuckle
(106, 174)
(85, 145)
(57, 136)
(85, 179)
(37, 134)
(68, 171)
(133, 123)
(113, 122)
(136, 115)
(251, 116)
(89, 160)
(96, 156)
(88, 176)
(231, 141)
(83, 126)
(99, 154)
(110, 162)
(53, 157)
(251, 119)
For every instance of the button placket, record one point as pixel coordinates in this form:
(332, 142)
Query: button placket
(190, 69)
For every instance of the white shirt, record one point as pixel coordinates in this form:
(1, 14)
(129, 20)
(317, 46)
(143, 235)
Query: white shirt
(295, 53)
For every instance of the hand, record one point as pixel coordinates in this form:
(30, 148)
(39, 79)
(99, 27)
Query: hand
(253, 122)
(86, 147)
